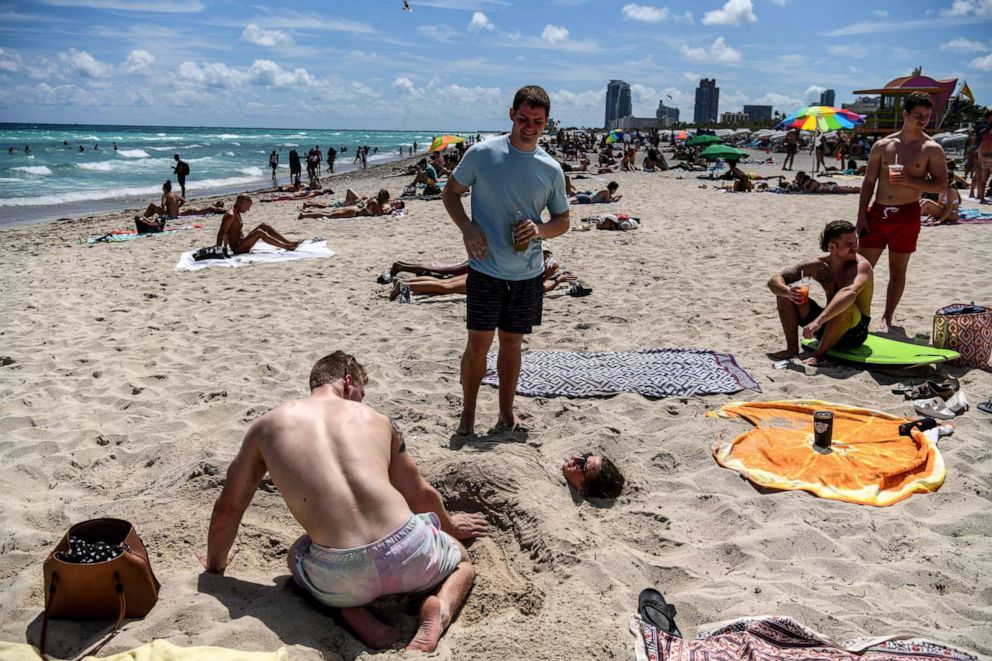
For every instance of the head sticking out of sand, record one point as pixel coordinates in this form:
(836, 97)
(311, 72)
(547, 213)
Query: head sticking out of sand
(593, 475)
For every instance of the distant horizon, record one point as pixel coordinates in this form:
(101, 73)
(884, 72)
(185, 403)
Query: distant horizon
(457, 63)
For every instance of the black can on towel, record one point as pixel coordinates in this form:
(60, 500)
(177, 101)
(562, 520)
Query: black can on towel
(823, 428)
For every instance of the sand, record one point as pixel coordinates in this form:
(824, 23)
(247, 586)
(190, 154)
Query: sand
(127, 387)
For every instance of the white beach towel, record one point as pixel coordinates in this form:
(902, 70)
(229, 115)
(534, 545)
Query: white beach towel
(261, 253)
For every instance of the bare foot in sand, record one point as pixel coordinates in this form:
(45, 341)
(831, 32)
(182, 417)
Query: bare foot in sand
(885, 325)
(369, 629)
(466, 425)
(516, 424)
(783, 355)
(433, 621)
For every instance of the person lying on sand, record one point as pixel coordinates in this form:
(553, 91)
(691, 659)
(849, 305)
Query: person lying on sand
(456, 283)
(373, 525)
(743, 181)
(945, 209)
(847, 280)
(369, 208)
(231, 233)
(602, 196)
(593, 475)
(806, 184)
(351, 198)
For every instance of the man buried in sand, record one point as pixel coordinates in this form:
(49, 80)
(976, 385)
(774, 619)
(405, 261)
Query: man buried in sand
(231, 233)
(846, 278)
(373, 525)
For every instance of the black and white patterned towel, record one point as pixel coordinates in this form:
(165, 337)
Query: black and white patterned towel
(653, 373)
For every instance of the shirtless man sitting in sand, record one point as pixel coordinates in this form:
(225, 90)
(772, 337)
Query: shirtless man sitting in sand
(231, 233)
(374, 526)
(846, 278)
(168, 209)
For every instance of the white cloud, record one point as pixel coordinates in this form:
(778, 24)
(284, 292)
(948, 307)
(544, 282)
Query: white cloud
(259, 36)
(211, 74)
(780, 3)
(813, 93)
(718, 53)
(442, 33)
(645, 13)
(850, 50)
(782, 102)
(554, 34)
(84, 64)
(270, 74)
(160, 6)
(10, 61)
(265, 73)
(881, 13)
(735, 12)
(480, 22)
(404, 85)
(962, 45)
(691, 76)
(138, 61)
(979, 8)
(983, 63)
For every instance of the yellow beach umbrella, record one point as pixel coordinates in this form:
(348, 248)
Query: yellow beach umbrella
(442, 143)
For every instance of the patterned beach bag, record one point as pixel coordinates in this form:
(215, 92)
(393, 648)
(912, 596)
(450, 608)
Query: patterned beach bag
(966, 329)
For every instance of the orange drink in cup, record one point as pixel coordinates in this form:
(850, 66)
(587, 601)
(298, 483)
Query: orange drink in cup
(802, 289)
(895, 171)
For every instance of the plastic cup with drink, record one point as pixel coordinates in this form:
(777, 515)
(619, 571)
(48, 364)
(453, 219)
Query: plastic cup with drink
(801, 287)
(895, 171)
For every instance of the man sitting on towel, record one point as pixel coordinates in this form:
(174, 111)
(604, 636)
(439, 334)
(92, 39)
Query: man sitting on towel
(232, 235)
(374, 526)
(847, 280)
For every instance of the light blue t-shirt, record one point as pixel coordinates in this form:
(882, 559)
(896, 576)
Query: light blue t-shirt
(509, 185)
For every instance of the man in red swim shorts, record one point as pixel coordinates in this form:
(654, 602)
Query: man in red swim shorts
(914, 164)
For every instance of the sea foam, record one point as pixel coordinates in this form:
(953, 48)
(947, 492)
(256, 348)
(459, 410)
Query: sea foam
(132, 153)
(32, 169)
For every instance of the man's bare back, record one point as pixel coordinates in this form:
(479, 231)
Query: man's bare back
(170, 202)
(331, 459)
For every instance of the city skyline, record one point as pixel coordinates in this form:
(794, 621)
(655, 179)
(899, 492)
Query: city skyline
(456, 63)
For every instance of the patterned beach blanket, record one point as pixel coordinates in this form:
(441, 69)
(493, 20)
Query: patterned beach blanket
(261, 253)
(773, 638)
(650, 372)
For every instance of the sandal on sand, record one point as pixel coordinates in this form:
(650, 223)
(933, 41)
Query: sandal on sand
(653, 608)
(986, 406)
(579, 289)
(935, 408)
(384, 278)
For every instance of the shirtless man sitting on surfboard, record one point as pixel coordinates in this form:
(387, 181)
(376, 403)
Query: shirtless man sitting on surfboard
(847, 279)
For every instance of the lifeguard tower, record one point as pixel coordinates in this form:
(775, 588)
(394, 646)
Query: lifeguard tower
(888, 117)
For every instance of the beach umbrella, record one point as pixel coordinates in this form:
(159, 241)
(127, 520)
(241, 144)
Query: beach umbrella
(868, 462)
(442, 143)
(616, 135)
(725, 152)
(698, 140)
(821, 118)
(682, 135)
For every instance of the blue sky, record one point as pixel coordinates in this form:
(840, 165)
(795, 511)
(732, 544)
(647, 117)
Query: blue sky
(454, 64)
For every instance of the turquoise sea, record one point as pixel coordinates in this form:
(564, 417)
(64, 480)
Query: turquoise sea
(57, 180)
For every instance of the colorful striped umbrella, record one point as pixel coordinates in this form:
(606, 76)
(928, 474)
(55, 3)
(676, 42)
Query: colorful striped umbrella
(822, 118)
(442, 143)
(616, 135)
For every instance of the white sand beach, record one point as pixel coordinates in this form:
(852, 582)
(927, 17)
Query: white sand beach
(127, 387)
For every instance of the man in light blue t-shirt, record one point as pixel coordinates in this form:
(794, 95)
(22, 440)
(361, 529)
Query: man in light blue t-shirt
(512, 181)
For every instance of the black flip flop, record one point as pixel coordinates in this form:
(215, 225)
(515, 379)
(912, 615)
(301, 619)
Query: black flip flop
(384, 278)
(653, 608)
(579, 289)
(986, 406)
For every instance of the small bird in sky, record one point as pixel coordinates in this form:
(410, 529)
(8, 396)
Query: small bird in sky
(406, 6)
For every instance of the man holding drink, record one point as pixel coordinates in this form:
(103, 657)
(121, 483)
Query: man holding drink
(914, 164)
(846, 278)
(513, 181)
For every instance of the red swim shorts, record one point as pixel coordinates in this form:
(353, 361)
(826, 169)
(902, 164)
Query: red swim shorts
(895, 226)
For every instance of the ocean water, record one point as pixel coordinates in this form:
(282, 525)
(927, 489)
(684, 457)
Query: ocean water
(57, 180)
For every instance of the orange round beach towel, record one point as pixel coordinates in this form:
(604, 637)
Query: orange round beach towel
(868, 463)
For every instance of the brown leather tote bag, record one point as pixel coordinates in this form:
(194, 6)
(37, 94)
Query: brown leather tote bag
(112, 579)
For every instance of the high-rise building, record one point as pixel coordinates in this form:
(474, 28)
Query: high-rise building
(734, 118)
(827, 98)
(758, 113)
(617, 102)
(707, 102)
(666, 116)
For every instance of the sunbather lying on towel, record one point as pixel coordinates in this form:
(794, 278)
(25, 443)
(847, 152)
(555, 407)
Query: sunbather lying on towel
(804, 183)
(944, 210)
(373, 525)
(231, 234)
(305, 194)
(847, 280)
(602, 196)
(456, 283)
(593, 475)
(370, 208)
(351, 198)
